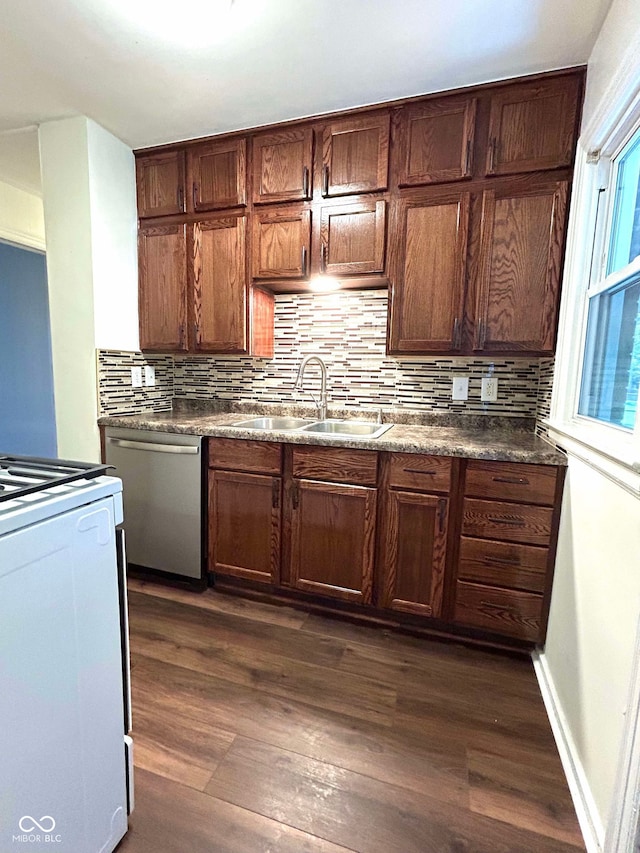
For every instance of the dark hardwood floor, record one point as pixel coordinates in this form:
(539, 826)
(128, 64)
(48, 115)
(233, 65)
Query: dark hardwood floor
(261, 729)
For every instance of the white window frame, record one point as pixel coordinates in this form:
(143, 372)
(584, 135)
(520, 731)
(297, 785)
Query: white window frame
(612, 449)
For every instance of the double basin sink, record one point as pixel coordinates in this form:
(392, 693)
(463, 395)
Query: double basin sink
(330, 426)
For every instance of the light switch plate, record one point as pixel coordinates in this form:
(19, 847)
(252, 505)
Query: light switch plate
(489, 392)
(136, 377)
(149, 375)
(460, 389)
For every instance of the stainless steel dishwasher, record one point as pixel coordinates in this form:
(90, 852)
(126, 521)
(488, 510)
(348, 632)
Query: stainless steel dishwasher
(162, 493)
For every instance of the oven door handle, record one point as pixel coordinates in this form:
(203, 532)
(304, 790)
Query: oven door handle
(157, 448)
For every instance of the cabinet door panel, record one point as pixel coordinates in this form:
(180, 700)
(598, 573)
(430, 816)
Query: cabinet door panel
(532, 127)
(220, 285)
(282, 166)
(353, 238)
(162, 290)
(520, 267)
(281, 243)
(428, 278)
(415, 552)
(356, 155)
(436, 141)
(160, 184)
(218, 174)
(244, 525)
(332, 539)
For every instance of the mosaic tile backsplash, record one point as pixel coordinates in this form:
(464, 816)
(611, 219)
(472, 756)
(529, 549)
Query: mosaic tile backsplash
(348, 330)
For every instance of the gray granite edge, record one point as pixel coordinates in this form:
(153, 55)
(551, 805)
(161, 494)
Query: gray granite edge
(496, 445)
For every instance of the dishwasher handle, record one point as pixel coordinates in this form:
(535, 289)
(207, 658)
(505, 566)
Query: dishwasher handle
(149, 445)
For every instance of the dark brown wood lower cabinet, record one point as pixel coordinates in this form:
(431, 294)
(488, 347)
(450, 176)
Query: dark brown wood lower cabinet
(415, 546)
(332, 539)
(244, 525)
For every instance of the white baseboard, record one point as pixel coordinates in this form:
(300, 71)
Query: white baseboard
(588, 817)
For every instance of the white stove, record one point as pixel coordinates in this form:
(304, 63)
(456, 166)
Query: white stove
(66, 776)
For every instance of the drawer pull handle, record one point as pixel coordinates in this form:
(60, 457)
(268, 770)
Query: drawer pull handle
(275, 494)
(514, 522)
(518, 481)
(295, 497)
(507, 561)
(502, 608)
(418, 471)
(305, 182)
(325, 180)
(442, 511)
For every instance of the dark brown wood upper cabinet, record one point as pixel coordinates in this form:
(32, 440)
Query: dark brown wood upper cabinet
(355, 155)
(219, 284)
(162, 291)
(217, 174)
(282, 165)
(428, 272)
(436, 141)
(521, 248)
(160, 183)
(353, 238)
(281, 243)
(532, 126)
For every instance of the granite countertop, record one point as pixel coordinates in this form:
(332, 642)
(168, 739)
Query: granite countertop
(475, 438)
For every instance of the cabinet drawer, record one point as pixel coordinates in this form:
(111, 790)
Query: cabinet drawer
(503, 564)
(507, 521)
(336, 464)
(511, 481)
(421, 472)
(263, 457)
(514, 614)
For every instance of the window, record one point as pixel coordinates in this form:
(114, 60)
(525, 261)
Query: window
(611, 367)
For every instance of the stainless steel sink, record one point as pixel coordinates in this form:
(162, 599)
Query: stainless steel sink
(352, 429)
(274, 423)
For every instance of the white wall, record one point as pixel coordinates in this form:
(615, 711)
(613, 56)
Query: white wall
(596, 595)
(21, 217)
(88, 189)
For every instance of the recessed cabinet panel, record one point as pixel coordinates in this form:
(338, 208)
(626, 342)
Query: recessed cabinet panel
(520, 267)
(353, 238)
(281, 243)
(436, 141)
(356, 155)
(162, 291)
(218, 174)
(427, 300)
(220, 285)
(282, 166)
(160, 183)
(533, 126)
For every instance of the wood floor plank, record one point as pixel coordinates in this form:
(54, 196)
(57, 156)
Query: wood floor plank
(356, 811)
(529, 795)
(171, 818)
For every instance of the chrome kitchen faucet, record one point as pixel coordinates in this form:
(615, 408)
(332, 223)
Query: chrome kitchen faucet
(322, 405)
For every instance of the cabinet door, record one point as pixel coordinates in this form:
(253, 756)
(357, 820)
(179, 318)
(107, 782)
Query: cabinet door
(244, 525)
(521, 251)
(352, 238)
(415, 553)
(332, 539)
(355, 155)
(160, 183)
(282, 165)
(217, 173)
(533, 126)
(428, 273)
(436, 141)
(281, 242)
(220, 284)
(162, 288)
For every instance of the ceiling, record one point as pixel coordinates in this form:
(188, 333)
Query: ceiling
(178, 70)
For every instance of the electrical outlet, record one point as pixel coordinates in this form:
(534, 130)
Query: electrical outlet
(489, 393)
(136, 377)
(149, 375)
(460, 389)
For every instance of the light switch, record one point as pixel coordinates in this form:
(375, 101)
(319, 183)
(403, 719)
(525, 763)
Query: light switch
(460, 390)
(149, 375)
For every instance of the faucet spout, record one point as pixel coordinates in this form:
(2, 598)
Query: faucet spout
(322, 405)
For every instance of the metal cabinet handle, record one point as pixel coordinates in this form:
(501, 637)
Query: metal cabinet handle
(323, 257)
(303, 261)
(507, 561)
(275, 494)
(467, 162)
(418, 471)
(513, 522)
(295, 496)
(305, 182)
(520, 481)
(194, 191)
(181, 198)
(130, 444)
(325, 180)
(442, 511)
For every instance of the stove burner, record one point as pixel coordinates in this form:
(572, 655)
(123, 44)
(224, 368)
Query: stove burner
(24, 475)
